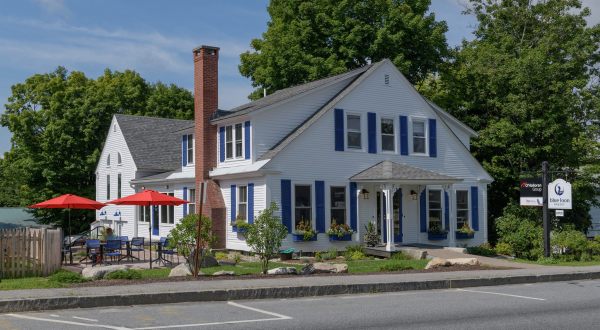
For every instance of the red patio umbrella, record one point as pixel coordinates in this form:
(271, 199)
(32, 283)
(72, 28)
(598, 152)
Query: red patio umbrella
(149, 198)
(69, 201)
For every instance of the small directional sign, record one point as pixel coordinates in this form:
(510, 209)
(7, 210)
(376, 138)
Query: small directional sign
(560, 213)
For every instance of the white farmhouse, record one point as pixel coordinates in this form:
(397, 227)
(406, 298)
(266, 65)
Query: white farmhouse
(359, 147)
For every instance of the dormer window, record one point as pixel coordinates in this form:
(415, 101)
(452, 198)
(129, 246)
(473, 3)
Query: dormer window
(190, 148)
(234, 144)
(108, 160)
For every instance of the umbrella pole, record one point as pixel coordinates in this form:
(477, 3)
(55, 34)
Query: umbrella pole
(69, 225)
(149, 235)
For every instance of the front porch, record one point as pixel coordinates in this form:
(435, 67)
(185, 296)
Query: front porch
(407, 205)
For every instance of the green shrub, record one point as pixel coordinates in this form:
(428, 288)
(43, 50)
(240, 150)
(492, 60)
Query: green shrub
(264, 236)
(570, 242)
(519, 227)
(356, 255)
(484, 249)
(237, 258)
(221, 256)
(504, 249)
(400, 256)
(65, 277)
(371, 236)
(354, 248)
(124, 274)
(330, 254)
(394, 267)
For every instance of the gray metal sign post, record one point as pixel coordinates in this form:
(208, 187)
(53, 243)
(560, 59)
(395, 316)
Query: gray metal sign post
(545, 220)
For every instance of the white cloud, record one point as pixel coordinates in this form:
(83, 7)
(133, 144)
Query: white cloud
(53, 6)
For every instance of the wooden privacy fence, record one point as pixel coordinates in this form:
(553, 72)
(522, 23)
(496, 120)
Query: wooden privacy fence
(30, 252)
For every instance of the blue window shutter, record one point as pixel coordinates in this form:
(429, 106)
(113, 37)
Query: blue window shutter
(286, 204)
(247, 140)
(185, 197)
(446, 211)
(475, 208)
(432, 138)
(372, 132)
(339, 129)
(353, 205)
(250, 202)
(222, 144)
(184, 150)
(403, 135)
(320, 198)
(423, 211)
(233, 203)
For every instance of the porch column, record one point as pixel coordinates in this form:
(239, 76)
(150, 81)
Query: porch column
(452, 210)
(358, 190)
(388, 190)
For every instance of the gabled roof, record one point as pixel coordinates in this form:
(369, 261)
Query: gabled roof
(286, 94)
(390, 171)
(153, 141)
(447, 116)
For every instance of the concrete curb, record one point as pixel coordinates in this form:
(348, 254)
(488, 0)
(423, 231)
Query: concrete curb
(37, 304)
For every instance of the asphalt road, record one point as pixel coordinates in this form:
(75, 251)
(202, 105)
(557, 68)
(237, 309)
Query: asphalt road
(558, 305)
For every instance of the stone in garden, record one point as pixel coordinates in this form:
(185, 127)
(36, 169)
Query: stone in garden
(226, 262)
(307, 269)
(181, 270)
(464, 261)
(98, 272)
(208, 261)
(224, 272)
(323, 267)
(282, 271)
(437, 262)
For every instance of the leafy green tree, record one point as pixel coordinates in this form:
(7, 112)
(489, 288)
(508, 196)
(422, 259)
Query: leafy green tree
(183, 236)
(308, 40)
(264, 236)
(528, 84)
(59, 122)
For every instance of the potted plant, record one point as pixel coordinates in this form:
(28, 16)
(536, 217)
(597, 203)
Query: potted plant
(304, 232)
(339, 232)
(465, 232)
(240, 224)
(436, 232)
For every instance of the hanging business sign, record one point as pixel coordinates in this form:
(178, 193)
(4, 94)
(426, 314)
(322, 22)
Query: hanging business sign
(531, 192)
(559, 195)
(560, 213)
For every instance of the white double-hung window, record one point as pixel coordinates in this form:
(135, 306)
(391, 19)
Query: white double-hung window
(353, 134)
(242, 206)
(462, 208)
(435, 210)
(234, 141)
(388, 139)
(419, 136)
(190, 148)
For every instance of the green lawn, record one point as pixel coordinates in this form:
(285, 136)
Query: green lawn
(375, 265)
(27, 283)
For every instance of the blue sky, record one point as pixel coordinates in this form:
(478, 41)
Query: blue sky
(153, 37)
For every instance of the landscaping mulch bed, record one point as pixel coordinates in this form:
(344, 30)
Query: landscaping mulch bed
(256, 276)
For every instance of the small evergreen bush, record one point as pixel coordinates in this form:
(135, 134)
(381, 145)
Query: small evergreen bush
(66, 277)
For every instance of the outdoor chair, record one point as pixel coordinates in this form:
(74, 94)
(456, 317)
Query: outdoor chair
(124, 240)
(164, 243)
(137, 245)
(113, 249)
(92, 247)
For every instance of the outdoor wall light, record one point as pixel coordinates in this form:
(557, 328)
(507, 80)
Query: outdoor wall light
(365, 193)
(413, 195)
(117, 214)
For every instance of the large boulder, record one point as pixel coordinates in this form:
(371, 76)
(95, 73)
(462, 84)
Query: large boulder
(463, 261)
(224, 273)
(282, 271)
(325, 267)
(437, 262)
(206, 260)
(181, 270)
(98, 272)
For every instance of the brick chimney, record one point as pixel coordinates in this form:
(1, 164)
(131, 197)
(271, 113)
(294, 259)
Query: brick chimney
(206, 96)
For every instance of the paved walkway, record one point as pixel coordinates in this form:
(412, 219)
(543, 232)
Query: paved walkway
(487, 261)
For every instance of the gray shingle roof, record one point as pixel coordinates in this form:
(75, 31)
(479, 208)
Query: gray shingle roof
(154, 143)
(389, 171)
(284, 94)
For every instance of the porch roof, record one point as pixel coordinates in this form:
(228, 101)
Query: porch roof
(387, 171)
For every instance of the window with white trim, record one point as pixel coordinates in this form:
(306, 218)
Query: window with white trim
(167, 212)
(338, 205)
(353, 133)
(419, 136)
(190, 148)
(234, 142)
(462, 208)
(435, 209)
(388, 139)
(192, 201)
(242, 207)
(144, 213)
(108, 187)
(302, 204)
